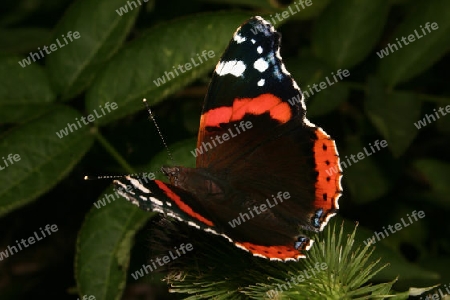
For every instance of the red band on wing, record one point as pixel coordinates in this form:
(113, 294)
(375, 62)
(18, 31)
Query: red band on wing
(277, 109)
(272, 252)
(183, 206)
(328, 185)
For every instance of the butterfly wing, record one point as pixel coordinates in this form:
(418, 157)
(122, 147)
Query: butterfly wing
(254, 144)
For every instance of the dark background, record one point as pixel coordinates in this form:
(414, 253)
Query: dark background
(118, 57)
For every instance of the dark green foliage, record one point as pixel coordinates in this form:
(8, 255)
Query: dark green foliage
(119, 58)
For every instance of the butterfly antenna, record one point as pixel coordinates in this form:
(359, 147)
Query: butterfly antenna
(87, 177)
(159, 131)
(138, 175)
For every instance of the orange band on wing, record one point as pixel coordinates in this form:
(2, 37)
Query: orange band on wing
(280, 252)
(328, 185)
(183, 206)
(277, 109)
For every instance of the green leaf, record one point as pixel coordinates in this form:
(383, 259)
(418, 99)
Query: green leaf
(440, 264)
(328, 99)
(107, 235)
(308, 71)
(387, 113)
(132, 74)
(309, 12)
(103, 247)
(357, 184)
(443, 124)
(417, 230)
(294, 11)
(24, 92)
(398, 265)
(435, 173)
(343, 37)
(410, 60)
(181, 152)
(45, 159)
(23, 40)
(256, 4)
(101, 32)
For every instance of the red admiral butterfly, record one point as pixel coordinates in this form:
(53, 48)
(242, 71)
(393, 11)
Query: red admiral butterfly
(278, 153)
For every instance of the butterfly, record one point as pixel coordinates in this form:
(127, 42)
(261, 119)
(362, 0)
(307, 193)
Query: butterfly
(260, 177)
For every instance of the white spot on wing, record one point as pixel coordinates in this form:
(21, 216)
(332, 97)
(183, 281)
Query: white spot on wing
(138, 185)
(324, 223)
(133, 201)
(259, 49)
(311, 242)
(230, 240)
(261, 65)
(156, 201)
(121, 185)
(175, 216)
(292, 259)
(242, 247)
(157, 209)
(193, 224)
(271, 28)
(212, 231)
(171, 214)
(278, 55)
(233, 67)
(284, 70)
(238, 38)
(261, 82)
(309, 123)
(253, 41)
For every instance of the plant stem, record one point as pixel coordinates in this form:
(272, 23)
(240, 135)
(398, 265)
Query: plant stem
(113, 152)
